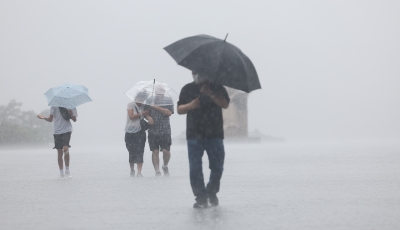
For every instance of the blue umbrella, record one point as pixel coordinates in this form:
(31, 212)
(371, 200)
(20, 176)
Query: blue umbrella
(67, 95)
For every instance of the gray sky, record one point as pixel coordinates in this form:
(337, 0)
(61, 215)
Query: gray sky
(328, 69)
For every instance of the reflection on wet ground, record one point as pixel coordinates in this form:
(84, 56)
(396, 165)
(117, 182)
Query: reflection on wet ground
(276, 186)
(209, 217)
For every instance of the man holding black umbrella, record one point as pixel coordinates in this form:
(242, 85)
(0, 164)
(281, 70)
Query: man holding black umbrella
(203, 102)
(221, 63)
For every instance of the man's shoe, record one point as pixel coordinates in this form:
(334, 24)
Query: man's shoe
(158, 174)
(139, 174)
(133, 173)
(213, 199)
(67, 174)
(165, 169)
(200, 204)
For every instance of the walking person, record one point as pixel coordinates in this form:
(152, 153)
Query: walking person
(203, 102)
(62, 135)
(135, 134)
(160, 132)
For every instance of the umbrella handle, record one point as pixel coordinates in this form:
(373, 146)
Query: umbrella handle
(154, 84)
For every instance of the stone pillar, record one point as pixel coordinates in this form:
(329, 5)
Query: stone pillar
(235, 117)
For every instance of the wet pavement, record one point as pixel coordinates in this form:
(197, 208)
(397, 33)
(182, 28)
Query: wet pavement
(335, 185)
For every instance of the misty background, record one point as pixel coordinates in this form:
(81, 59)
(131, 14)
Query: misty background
(328, 70)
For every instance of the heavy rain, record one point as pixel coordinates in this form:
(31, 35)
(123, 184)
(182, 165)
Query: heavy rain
(310, 137)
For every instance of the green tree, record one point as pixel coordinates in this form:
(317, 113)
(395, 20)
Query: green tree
(23, 127)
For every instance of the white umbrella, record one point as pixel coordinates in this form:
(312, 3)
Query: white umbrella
(152, 93)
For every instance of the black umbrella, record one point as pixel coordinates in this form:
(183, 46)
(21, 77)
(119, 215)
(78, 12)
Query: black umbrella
(217, 60)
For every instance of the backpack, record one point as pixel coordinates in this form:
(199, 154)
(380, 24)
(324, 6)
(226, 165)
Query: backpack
(64, 113)
(143, 124)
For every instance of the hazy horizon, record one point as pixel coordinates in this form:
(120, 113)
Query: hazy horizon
(328, 70)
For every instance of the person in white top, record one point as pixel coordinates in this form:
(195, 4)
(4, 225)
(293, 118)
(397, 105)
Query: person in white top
(135, 135)
(62, 134)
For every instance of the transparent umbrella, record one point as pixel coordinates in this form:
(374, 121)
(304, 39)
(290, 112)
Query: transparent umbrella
(152, 93)
(67, 95)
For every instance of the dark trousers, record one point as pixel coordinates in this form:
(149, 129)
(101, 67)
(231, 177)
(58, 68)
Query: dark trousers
(216, 155)
(135, 144)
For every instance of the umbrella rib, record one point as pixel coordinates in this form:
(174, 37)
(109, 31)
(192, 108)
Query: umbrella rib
(218, 40)
(65, 90)
(169, 95)
(219, 62)
(139, 90)
(183, 48)
(245, 66)
(196, 49)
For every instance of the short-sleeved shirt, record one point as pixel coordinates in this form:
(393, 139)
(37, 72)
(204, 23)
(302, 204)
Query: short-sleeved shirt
(206, 121)
(133, 125)
(161, 122)
(61, 125)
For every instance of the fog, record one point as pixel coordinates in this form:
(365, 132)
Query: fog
(328, 70)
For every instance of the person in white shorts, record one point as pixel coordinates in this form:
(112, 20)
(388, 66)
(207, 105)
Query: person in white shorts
(62, 134)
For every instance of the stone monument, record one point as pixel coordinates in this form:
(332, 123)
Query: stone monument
(235, 116)
(236, 121)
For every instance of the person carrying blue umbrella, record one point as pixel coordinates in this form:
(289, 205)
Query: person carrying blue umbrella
(63, 101)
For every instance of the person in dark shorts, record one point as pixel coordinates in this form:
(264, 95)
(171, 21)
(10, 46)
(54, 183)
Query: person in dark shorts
(203, 102)
(62, 135)
(160, 132)
(135, 136)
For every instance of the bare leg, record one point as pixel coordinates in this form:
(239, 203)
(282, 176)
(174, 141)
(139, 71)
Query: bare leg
(60, 159)
(132, 167)
(139, 167)
(156, 160)
(166, 156)
(66, 155)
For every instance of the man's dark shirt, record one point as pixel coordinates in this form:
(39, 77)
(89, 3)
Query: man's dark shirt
(206, 121)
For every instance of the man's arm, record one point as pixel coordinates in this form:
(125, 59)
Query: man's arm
(73, 117)
(219, 100)
(49, 119)
(132, 115)
(164, 111)
(184, 108)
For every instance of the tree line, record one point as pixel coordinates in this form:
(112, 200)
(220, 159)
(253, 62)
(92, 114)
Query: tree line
(19, 127)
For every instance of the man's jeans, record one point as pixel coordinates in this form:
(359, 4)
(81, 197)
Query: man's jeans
(216, 155)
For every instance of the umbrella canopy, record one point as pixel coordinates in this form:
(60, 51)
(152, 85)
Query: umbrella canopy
(152, 93)
(67, 95)
(217, 60)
